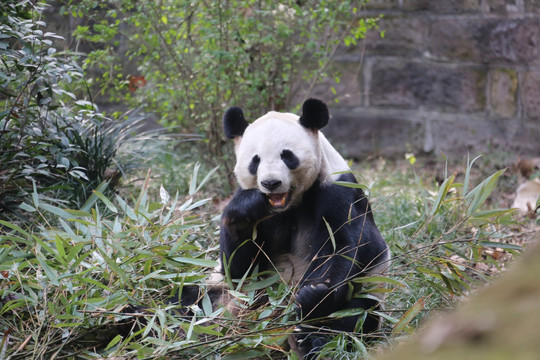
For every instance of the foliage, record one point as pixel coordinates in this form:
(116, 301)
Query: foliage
(97, 284)
(196, 58)
(33, 125)
(92, 276)
(444, 242)
(49, 140)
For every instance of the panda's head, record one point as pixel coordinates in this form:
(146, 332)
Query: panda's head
(280, 153)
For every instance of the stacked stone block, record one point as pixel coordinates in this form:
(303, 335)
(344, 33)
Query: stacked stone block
(450, 76)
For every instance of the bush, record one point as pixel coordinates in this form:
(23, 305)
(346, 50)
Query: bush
(196, 58)
(444, 242)
(98, 282)
(50, 141)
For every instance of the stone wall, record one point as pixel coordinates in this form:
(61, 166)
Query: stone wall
(449, 76)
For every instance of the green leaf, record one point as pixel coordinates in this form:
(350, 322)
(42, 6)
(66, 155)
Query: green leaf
(52, 275)
(55, 210)
(106, 201)
(330, 233)
(429, 272)
(492, 213)
(60, 248)
(378, 279)
(505, 246)
(262, 284)
(351, 185)
(113, 342)
(27, 207)
(408, 316)
(193, 180)
(35, 197)
(482, 191)
(244, 354)
(16, 228)
(78, 213)
(205, 180)
(71, 324)
(96, 283)
(195, 261)
(443, 190)
(116, 269)
(238, 295)
(93, 198)
(468, 173)
(347, 312)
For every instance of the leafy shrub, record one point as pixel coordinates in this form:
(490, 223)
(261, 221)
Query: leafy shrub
(98, 282)
(196, 58)
(49, 140)
(33, 139)
(444, 243)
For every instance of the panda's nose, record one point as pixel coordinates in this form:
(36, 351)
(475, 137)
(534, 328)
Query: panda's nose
(271, 184)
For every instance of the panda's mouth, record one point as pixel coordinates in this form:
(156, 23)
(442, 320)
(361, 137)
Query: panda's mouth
(278, 200)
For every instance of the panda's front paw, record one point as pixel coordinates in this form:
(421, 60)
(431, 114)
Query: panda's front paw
(247, 206)
(314, 301)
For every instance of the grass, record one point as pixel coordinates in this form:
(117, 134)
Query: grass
(94, 282)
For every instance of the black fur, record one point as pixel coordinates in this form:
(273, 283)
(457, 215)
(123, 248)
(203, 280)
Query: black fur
(254, 164)
(290, 159)
(324, 287)
(234, 122)
(315, 114)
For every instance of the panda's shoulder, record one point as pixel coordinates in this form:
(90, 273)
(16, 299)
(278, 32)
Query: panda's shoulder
(331, 194)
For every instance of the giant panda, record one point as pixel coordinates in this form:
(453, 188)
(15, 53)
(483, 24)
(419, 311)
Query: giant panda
(288, 196)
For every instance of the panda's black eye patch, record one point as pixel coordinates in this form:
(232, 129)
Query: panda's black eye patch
(254, 164)
(290, 159)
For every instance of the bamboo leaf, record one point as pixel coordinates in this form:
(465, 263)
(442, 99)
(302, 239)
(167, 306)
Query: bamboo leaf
(206, 178)
(347, 312)
(60, 248)
(244, 354)
(93, 198)
(330, 233)
(238, 295)
(467, 174)
(113, 342)
(193, 180)
(378, 279)
(78, 213)
(96, 283)
(52, 275)
(16, 228)
(409, 316)
(262, 284)
(492, 213)
(482, 191)
(35, 197)
(106, 201)
(351, 185)
(443, 190)
(505, 246)
(195, 261)
(115, 268)
(55, 210)
(27, 207)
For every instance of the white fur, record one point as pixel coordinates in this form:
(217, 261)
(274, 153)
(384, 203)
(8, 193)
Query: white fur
(267, 137)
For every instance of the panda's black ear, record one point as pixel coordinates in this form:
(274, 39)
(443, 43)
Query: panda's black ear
(315, 114)
(234, 122)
